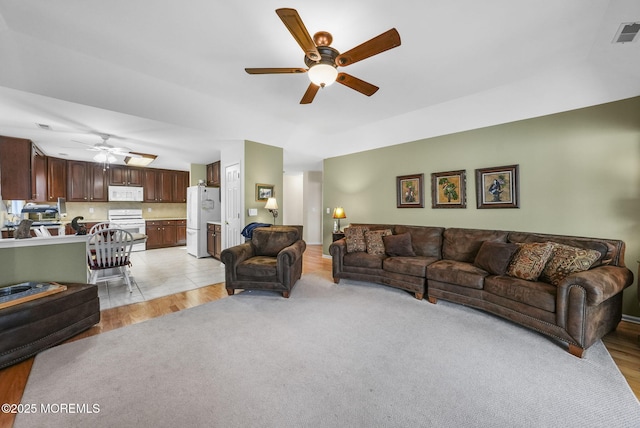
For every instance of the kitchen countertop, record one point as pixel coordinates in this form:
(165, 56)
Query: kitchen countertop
(219, 223)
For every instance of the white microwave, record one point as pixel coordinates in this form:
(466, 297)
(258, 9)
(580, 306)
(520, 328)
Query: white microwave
(126, 193)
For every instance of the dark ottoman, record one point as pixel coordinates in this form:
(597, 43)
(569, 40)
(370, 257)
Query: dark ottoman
(31, 327)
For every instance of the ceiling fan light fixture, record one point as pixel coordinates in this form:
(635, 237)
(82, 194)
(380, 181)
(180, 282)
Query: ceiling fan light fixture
(104, 157)
(139, 159)
(323, 74)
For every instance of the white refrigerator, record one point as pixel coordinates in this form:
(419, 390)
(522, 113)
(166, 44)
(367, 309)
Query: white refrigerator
(203, 205)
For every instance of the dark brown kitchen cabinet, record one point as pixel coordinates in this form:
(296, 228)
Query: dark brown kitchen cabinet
(165, 185)
(214, 240)
(180, 184)
(166, 233)
(181, 232)
(151, 186)
(56, 179)
(213, 174)
(38, 177)
(120, 175)
(15, 168)
(86, 182)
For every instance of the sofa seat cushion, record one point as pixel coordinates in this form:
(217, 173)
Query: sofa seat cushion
(534, 293)
(259, 267)
(412, 266)
(364, 260)
(459, 273)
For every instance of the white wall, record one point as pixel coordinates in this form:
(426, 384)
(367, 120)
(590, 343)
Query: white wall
(312, 206)
(293, 191)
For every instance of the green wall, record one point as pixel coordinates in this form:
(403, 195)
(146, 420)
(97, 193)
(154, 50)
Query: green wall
(61, 263)
(579, 175)
(263, 165)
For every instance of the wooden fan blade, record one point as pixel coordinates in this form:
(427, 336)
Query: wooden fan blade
(359, 85)
(308, 96)
(385, 41)
(274, 70)
(296, 27)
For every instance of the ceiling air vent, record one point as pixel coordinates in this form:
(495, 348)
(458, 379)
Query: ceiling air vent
(627, 32)
(44, 126)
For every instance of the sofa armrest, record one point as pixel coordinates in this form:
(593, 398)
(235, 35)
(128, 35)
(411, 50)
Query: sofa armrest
(289, 255)
(233, 256)
(600, 283)
(338, 249)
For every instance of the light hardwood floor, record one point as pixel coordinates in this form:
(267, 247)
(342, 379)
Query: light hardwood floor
(623, 344)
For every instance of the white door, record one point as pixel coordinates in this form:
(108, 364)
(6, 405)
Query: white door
(233, 206)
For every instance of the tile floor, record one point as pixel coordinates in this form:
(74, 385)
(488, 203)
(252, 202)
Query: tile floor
(158, 273)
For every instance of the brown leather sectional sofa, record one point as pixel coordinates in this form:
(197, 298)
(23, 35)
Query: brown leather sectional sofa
(566, 287)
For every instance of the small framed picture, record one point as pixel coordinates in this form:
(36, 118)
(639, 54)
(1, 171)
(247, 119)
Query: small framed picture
(498, 187)
(448, 189)
(264, 192)
(410, 191)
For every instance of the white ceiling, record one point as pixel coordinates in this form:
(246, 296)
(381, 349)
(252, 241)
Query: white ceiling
(168, 78)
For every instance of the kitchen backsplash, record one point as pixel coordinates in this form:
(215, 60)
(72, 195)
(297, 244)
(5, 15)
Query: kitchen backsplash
(100, 209)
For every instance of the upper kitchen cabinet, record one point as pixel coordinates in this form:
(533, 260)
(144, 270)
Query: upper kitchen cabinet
(213, 174)
(15, 168)
(86, 182)
(38, 176)
(163, 185)
(56, 179)
(180, 184)
(120, 175)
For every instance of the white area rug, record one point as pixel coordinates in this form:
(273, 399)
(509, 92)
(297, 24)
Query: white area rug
(348, 355)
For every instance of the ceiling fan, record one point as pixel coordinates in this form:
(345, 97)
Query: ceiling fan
(322, 60)
(106, 152)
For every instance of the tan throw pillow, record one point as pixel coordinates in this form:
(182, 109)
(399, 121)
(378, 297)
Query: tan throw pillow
(355, 238)
(566, 260)
(529, 261)
(375, 244)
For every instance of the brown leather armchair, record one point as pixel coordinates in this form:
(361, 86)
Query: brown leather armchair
(271, 260)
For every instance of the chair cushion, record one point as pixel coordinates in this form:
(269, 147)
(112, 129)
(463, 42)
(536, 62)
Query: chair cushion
(269, 241)
(259, 267)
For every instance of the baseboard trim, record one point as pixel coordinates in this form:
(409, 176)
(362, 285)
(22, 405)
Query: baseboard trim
(631, 318)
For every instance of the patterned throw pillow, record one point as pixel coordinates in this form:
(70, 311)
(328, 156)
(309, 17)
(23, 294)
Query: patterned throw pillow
(530, 260)
(355, 238)
(566, 260)
(375, 244)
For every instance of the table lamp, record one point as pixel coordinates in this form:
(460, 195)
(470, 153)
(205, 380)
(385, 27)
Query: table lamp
(338, 213)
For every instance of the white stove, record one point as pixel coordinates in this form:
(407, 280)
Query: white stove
(130, 220)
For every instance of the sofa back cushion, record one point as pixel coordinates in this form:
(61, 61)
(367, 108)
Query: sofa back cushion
(269, 241)
(398, 245)
(462, 245)
(425, 240)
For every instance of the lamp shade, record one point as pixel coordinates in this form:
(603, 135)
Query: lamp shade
(271, 204)
(323, 74)
(339, 213)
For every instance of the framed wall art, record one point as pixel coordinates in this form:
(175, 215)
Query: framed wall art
(498, 187)
(410, 191)
(448, 189)
(264, 192)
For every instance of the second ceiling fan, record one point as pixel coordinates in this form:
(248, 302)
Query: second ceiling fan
(323, 60)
